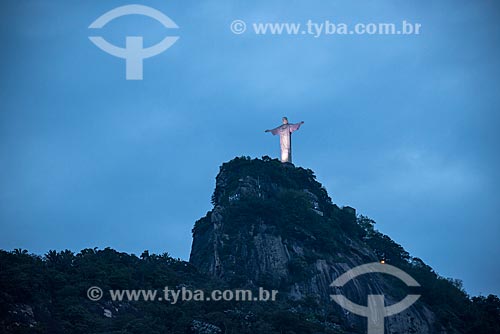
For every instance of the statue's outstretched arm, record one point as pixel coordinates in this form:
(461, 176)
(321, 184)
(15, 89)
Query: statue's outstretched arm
(274, 131)
(295, 127)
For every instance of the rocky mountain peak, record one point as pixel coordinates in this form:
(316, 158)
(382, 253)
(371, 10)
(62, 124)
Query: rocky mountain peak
(274, 225)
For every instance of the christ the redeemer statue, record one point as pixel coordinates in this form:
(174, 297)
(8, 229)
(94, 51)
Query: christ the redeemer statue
(285, 131)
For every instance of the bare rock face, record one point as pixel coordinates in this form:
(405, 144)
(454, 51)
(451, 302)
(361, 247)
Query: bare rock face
(274, 226)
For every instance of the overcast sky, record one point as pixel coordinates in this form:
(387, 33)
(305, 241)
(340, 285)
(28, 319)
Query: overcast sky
(404, 128)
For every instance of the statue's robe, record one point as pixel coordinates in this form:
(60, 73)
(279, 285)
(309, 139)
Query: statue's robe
(285, 132)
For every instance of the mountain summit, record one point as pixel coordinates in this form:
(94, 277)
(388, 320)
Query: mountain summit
(274, 225)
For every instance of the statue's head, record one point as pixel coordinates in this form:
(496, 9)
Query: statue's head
(285, 120)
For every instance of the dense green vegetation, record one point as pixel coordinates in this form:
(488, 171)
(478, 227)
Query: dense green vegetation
(48, 294)
(54, 287)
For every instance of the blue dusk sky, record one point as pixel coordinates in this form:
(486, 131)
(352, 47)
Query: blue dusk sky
(405, 128)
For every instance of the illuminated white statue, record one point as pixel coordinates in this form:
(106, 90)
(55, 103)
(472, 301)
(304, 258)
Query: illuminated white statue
(285, 131)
